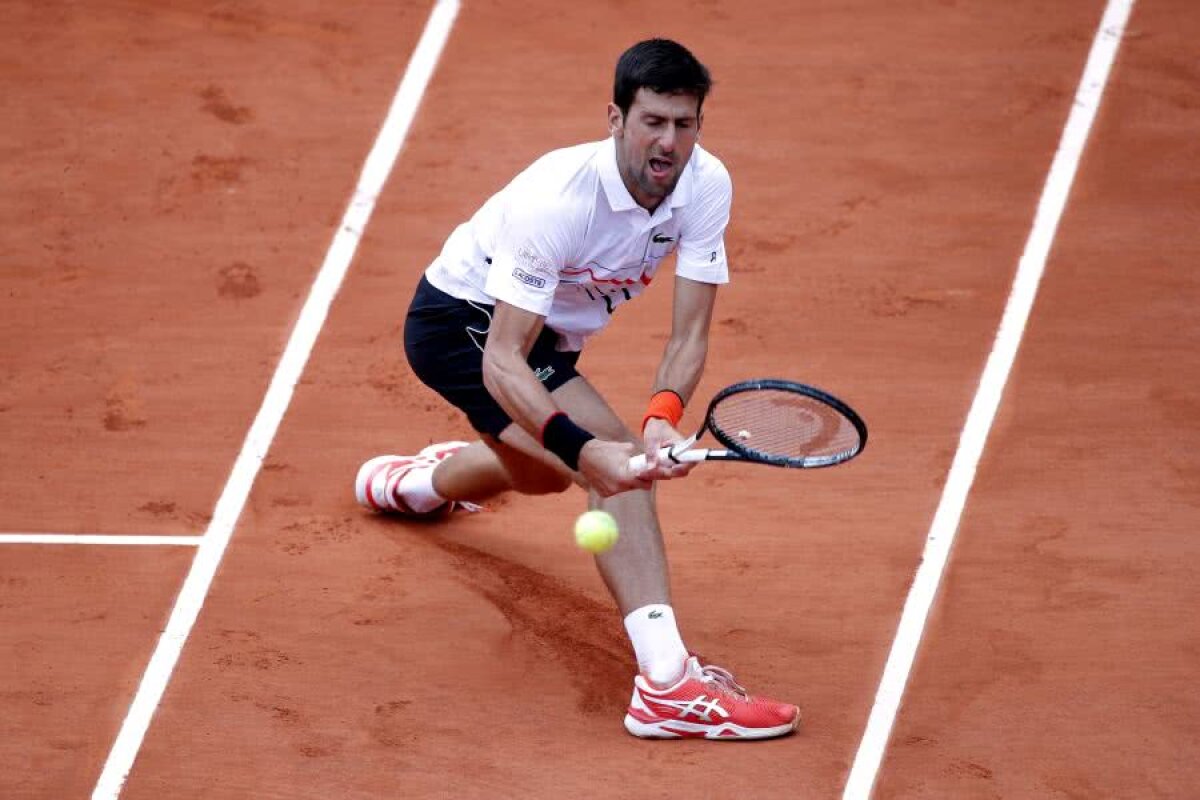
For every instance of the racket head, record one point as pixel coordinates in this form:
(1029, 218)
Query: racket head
(785, 424)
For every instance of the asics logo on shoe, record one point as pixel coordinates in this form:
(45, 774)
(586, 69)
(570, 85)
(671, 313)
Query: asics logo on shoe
(702, 708)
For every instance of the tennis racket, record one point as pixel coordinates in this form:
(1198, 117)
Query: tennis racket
(775, 422)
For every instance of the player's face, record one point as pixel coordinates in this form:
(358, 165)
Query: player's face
(654, 142)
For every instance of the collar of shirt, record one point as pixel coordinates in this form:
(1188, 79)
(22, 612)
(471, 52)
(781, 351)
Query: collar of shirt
(619, 198)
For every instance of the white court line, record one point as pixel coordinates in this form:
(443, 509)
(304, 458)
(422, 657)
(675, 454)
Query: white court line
(97, 538)
(987, 400)
(312, 317)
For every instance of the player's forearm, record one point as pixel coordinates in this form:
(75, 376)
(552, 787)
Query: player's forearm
(687, 349)
(682, 365)
(506, 372)
(508, 378)
(512, 383)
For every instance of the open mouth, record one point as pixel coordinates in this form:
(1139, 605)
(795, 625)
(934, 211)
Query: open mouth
(660, 167)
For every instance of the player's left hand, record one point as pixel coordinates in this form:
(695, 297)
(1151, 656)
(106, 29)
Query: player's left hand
(658, 434)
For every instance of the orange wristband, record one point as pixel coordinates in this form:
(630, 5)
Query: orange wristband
(666, 405)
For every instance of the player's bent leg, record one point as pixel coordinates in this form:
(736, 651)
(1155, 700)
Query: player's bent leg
(491, 466)
(473, 475)
(449, 474)
(530, 469)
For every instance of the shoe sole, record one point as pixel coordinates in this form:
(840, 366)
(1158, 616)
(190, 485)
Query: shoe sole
(366, 476)
(677, 729)
(365, 479)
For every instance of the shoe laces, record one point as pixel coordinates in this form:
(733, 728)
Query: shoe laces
(407, 463)
(722, 680)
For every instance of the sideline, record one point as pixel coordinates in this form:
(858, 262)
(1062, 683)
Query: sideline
(229, 506)
(865, 768)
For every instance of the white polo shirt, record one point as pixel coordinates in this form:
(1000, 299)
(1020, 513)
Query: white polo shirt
(567, 241)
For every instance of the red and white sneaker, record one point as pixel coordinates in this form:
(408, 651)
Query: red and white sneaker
(706, 703)
(377, 480)
(377, 485)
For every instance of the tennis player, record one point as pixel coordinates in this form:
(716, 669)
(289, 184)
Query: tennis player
(496, 328)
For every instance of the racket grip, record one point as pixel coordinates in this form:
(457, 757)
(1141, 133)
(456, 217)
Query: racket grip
(638, 462)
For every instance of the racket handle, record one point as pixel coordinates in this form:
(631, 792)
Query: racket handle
(638, 462)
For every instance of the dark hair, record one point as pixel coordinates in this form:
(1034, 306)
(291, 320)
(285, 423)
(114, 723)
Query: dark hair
(660, 65)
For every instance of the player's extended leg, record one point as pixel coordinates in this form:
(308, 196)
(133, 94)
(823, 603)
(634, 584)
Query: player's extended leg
(450, 473)
(675, 696)
(635, 570)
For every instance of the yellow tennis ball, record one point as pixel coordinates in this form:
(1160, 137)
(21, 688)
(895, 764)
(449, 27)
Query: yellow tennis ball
(596, 531)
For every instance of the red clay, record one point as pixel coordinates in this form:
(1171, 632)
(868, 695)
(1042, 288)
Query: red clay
(1062, 660)
(173, 203)
(77, 626)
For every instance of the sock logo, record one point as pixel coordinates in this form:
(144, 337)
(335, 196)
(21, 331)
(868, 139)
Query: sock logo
(654, 614)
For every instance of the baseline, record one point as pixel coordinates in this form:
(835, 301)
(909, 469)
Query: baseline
(377, 168)
(865, 768)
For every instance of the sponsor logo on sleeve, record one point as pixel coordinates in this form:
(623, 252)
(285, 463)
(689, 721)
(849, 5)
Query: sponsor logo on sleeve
(529, 280)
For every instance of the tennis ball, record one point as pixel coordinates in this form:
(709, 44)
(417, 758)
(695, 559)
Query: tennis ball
(596, 531)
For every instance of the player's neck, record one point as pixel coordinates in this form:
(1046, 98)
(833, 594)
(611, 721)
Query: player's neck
(646, 201)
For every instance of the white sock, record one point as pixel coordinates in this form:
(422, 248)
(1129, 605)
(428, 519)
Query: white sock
(417, 490)
(656, 642)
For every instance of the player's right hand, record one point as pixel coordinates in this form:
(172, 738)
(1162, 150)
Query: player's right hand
(604, 465)
(659, 434)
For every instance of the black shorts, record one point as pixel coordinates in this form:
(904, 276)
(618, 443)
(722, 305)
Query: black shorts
(444, 338)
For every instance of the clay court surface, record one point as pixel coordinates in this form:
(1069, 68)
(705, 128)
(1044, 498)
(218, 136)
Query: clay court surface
(174, 176)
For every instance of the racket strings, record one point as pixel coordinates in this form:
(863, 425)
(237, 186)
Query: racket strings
(784, 424)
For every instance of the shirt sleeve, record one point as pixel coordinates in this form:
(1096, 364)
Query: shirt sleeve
(532, 247)
(702, 238)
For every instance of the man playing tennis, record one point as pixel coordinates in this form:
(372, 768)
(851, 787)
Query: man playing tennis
(496, 328)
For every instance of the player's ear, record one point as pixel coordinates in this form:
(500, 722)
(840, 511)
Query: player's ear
(616, 120)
